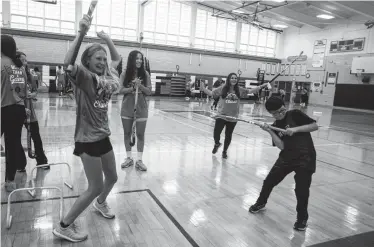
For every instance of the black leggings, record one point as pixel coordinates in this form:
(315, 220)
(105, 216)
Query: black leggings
(38, 144)
(218, 127)
(12, 119)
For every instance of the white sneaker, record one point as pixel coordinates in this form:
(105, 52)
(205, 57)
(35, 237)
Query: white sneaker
(71, 233)
(128, 162)
(10, 186)
(140, 165)
(104, 209)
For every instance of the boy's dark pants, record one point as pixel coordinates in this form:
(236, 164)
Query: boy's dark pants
(303, 179)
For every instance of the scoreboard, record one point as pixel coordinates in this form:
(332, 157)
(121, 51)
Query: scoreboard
(347, 45)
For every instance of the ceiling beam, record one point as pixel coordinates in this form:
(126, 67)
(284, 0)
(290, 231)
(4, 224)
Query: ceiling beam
(270, 14)
(247, 11)
(239, 18)
(349, 7)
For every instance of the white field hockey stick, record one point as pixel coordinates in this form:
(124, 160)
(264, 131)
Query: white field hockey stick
(275, 77)
(80, 38)
(258, 123)
(133, 132)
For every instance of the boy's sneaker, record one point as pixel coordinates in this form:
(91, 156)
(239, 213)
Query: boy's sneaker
(128, 162)
(216, 147)
(300, 225)
(71, 233)
(104, 209)
(10, 186)
(140, 166)
(257, 207)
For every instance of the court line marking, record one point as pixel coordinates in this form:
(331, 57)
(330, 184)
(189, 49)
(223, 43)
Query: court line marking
(337, 144)
(341, 129)
(150, 193)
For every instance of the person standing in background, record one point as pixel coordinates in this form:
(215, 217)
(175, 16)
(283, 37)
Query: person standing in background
(40, 157)
(13, 111)
(38, 77)
(60, 80)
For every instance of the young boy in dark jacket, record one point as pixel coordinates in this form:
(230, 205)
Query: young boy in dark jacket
(297, 155)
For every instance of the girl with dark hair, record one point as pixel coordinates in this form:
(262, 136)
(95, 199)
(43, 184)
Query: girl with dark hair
(228, 105)
(94, 83)
(40, 157)
(135, 76)
(39, 77)
(13, 112)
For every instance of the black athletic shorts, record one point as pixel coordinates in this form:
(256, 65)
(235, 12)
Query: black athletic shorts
(95, 149)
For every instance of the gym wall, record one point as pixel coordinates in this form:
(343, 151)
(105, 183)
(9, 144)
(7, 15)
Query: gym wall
(51, 49)
(297, 39)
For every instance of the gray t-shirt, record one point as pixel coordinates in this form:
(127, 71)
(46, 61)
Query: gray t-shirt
(92, 94)
(228, 106)
(13, 83)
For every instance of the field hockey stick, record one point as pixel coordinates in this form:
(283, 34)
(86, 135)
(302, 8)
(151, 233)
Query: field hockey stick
(258, 123)
(30, 152)
(275, 77)
(80, 38)
(133, 132)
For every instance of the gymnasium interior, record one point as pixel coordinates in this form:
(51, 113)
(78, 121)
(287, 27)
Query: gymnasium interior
(321, 54)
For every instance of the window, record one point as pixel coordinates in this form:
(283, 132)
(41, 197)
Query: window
(118, 18)
(1, 14)
(257, 42)
(167, 22)
(37, 16)
(214, 33)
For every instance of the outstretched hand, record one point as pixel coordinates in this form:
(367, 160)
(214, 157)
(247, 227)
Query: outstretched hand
(103, 35)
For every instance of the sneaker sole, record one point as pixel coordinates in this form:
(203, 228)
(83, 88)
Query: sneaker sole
(104, 215)
(141, 169)
(255, 212)
(57, 234)
(300, 229)
(127, 166)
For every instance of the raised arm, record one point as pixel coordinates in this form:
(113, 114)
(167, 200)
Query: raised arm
(84, 26)
(253, 90)
(205, 90)
(115, 57)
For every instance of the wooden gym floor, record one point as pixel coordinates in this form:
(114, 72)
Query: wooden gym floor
(189, 197)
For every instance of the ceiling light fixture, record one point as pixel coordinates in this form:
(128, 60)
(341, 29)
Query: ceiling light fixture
(280, 26)
(324, 16)
(238, 11)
